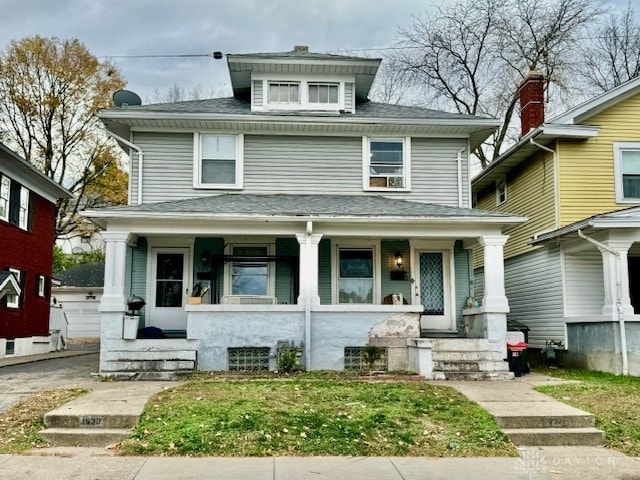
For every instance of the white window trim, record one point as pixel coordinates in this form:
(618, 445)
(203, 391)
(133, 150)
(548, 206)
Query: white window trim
(499, 183)
(41, 285)
(617, 168)
(283, 104)
(271, 269)
(17, 275)
(377, 269)
(23, 220)
(304, 80)
(366, 159)
(4, 178)
(197, 164)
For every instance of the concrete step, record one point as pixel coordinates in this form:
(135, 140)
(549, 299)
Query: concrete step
(465, 345)
(148, 365)
(539, 415)
(466, 356)
(134, 355)
(472, 376)
(555, 437)
(147, 376)
(84, 437)
(469, 366)
(96, 421)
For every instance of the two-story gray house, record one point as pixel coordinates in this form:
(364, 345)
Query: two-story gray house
(298, 212)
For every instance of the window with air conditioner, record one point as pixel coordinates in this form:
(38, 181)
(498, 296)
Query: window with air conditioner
(386, 164)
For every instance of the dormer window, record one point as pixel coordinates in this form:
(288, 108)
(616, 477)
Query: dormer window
(284, 92)
(323, 92)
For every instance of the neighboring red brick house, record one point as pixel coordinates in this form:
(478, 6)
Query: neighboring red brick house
(27, 233)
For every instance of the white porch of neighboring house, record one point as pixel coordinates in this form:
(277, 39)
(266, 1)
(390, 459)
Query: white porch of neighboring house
(326, 284)
(601, 264)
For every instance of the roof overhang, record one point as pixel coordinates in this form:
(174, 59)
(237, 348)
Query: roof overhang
(628, 218)
(242, 66)
(25, 173)
(524, 148)
(122, 122)
(8, 284)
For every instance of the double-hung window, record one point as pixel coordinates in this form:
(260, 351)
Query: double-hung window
(5, 193)
(627, 171)
(386, 163)
(218, 161)
(13, 300)
(250, 275)
(323, 93)
(284, 92)
(23, 216)
(356, 275)
(41, 285)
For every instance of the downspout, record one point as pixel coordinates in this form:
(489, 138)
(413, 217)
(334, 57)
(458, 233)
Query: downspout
(555, 178)
(459, 160)
(307, 306)
(140, 160)
(623, 332)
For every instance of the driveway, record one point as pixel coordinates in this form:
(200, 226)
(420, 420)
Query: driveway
(20, 381)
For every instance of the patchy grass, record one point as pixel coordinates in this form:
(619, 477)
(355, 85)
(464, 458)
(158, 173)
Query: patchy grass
(314, 416)
(614, 400)
(20, 425)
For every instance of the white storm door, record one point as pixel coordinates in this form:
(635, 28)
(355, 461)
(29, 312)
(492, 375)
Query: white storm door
(169, 288)
(433, 289)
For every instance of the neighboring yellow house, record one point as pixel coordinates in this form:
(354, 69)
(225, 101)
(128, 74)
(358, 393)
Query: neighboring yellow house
(572, 272)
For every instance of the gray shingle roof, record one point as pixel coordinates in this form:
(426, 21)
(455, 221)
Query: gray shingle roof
(85, 275)
(303, 54)
(234, 106)
(287, 205)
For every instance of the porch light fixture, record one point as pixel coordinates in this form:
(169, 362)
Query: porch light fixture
(399, 260)
(205, 257)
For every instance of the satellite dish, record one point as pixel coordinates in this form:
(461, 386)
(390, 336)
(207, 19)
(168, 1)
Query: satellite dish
(126, 98)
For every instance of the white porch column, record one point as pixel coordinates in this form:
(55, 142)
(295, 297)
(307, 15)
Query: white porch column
(309, 267)
(610, 265)
(113, 298)
(494, 299)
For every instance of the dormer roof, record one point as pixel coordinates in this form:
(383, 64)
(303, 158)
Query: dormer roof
(301, 61)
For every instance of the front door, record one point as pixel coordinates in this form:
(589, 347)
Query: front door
(434, 290)
(169, 288)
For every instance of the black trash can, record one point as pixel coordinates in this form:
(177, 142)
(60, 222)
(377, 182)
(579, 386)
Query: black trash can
(516, 356)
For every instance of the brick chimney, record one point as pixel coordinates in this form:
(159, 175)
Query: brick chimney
(531, 102)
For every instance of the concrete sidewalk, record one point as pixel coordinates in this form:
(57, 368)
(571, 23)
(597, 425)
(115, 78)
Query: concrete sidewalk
(566, 463)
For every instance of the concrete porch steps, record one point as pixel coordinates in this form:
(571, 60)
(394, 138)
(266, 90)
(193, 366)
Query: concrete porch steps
(84, 437)
(461, 359)
(149, 364)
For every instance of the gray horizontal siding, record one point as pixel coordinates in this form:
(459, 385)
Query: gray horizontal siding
(533, 284)
(297, 164)
(585, 283)
(348, 97)
(168, 166)
(257, 93)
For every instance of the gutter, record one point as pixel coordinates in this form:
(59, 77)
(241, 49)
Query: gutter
(140, 159)
(623, 330)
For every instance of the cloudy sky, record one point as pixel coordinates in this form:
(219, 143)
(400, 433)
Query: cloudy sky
(176, 27)
(172, 27)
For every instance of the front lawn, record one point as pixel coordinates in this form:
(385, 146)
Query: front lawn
(614, 400)
(21, 424)
(315, 416)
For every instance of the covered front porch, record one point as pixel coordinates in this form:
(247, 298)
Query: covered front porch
(237, 291)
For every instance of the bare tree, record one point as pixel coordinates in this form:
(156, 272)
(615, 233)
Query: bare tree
(392, 84)
(473, 55)
(50, 93)
(614, 54)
